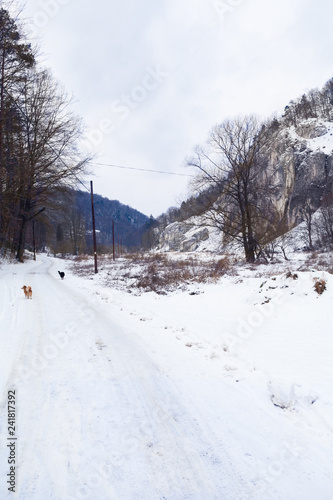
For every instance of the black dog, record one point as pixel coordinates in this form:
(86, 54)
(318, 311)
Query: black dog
(61, 274)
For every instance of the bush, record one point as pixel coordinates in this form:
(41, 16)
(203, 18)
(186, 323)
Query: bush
(320, 286)
(294, 276)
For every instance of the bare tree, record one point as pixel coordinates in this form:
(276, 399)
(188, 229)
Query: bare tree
(234, 183)
(307, 213)
(324, 222)
(50, 134)
(16, 58)
(76, 227)
(39, 136)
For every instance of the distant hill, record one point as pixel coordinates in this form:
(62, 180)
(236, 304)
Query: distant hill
(65, 224)
(129, 223)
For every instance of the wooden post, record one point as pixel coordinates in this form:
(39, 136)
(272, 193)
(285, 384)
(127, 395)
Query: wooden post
(93, 225)
(113, 248)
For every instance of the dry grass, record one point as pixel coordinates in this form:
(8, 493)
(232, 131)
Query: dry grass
(160, 273)
(156, 272)
(320, 261)
(165, 272)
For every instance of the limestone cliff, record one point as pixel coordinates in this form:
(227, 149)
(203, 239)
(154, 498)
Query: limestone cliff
(300, 160)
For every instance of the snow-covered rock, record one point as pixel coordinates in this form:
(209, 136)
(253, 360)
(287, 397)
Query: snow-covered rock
(189, 236)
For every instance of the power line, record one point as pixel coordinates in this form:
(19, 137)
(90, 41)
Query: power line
(143, 169)
(82, 184)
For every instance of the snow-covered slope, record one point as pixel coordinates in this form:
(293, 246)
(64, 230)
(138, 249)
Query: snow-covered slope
(317, 134)
(225, 393)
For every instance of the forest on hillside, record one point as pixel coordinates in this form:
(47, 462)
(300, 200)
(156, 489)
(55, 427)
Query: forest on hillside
(66, 227)
(119, 228)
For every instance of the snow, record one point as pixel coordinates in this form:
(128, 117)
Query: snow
(322, 143)
(213, 391)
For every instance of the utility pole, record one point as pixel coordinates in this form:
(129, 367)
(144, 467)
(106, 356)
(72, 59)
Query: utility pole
(33, 238)
(93, 225)
(113, 251)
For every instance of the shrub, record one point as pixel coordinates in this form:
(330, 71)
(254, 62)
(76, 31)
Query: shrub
(320, 286)
(291, 275)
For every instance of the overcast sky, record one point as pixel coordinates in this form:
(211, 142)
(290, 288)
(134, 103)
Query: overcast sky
(150, 78)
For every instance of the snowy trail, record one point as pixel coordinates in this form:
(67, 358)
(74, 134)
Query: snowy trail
(96, 417)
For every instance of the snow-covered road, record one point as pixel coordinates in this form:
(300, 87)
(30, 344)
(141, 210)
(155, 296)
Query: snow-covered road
(112, 405)
(96, 417)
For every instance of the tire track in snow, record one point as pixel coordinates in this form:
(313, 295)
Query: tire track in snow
(101, 406)
(161, 429)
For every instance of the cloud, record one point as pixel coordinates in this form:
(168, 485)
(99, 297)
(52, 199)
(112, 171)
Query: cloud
(212, 59)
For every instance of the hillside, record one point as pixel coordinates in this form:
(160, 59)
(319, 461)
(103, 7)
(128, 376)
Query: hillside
(65, 225)
(129, 223)
(302, 158)
(292, 179)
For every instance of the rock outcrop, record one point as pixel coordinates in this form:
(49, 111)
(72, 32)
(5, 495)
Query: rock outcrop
(300, 164)
(183, 236)
(302, 159)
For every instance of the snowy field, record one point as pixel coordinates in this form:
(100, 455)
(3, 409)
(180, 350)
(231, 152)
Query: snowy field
(211, 391)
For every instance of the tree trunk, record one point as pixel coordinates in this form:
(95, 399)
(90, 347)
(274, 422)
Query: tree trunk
(250, 254)
(21, 239)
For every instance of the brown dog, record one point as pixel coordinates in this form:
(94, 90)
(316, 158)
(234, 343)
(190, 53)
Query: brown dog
(27, 292)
